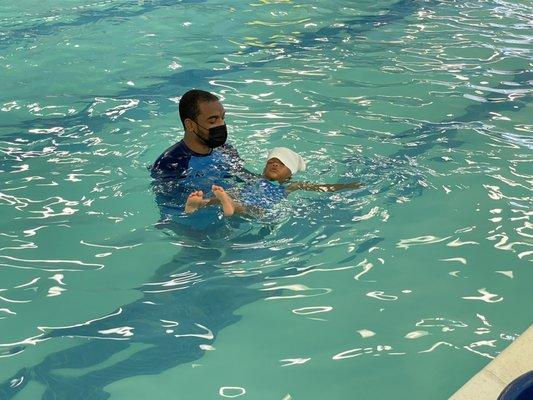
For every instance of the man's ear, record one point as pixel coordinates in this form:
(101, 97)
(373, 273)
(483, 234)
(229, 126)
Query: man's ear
(189, 125)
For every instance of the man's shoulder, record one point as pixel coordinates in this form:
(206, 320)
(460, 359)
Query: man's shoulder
(177, 149)
(174, 158)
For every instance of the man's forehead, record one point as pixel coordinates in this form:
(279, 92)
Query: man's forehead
(210, 108)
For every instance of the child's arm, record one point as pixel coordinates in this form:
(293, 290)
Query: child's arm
(322, 187)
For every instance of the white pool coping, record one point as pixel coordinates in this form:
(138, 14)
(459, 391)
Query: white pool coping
(514, 361)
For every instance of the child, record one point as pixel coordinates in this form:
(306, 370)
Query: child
(282, 163)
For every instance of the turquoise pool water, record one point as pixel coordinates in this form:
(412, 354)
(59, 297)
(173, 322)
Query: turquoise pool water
(402, 290)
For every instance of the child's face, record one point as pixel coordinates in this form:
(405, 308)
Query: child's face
(275, 170)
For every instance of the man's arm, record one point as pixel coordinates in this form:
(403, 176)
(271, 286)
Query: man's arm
(322, 187)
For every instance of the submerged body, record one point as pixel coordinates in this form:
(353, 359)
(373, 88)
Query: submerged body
(265, 191)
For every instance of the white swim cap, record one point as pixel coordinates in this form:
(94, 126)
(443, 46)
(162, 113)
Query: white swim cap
(292, 160)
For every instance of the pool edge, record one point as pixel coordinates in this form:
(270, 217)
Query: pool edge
(514, 361)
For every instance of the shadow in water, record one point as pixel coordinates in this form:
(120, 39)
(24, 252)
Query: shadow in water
(189, 301)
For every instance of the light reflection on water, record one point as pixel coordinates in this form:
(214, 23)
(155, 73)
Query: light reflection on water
(424, 103)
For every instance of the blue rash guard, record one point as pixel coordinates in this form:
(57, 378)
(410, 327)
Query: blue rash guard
(262, 194)
(178, 171)
(178, 162)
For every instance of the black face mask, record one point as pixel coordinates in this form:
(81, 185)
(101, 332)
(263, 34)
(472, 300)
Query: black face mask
(217, 136)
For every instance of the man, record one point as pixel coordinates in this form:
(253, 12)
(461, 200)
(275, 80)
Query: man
(202, 152)
(198, 161)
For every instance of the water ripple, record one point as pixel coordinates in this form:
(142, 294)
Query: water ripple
(49, 265)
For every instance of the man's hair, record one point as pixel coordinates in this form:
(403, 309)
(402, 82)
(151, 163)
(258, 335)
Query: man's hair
(189, 103)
